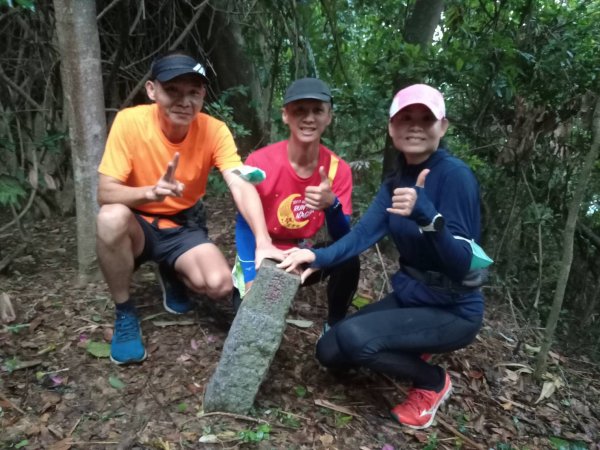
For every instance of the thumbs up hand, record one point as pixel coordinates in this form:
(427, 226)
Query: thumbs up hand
(421, 178)
(319, 197)
(413, 202)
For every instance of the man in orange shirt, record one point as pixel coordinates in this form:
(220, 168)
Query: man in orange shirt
(152, 176)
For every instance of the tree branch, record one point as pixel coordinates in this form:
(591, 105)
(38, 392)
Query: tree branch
(183, 34)
(587, 231)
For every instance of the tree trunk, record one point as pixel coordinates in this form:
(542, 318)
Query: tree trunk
(568, 236)
(81, 75)
(418, 29)
(228, 56)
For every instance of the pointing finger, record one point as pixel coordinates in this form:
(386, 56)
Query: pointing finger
(171, 168)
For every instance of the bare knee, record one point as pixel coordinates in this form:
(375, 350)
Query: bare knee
(112, 223)
(216, 284)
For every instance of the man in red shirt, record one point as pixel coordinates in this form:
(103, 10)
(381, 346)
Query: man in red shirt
(306, 187)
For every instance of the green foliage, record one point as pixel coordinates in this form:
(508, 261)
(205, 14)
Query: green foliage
(53, 141)
(342, 420)
(300, 391)
(182, 407)
(15, 329)
(432, 442)
(11, 191)
(562, 444)
(25, 4)
(221, 110)
(11, 364)
(98, 349)
(287, 419)
(216, 184)
(116, 382)
(258, 434)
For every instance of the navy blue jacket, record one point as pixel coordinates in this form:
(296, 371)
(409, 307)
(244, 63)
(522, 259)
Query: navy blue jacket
(454, 192)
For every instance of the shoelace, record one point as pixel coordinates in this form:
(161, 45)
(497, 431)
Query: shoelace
(127, 327)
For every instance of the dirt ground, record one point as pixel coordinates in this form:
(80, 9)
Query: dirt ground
(54, 393)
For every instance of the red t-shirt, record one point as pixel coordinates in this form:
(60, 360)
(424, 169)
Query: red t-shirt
(287, 217)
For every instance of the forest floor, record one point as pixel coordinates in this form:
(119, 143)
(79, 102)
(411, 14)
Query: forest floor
(55, 394)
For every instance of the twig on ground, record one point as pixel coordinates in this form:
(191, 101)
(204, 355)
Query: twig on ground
(340, 409)
(387, 280)
(233, 416)
(12, 405)
(75, 425)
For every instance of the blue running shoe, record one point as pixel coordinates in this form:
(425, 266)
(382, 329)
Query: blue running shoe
(127, 346)
(175, 298)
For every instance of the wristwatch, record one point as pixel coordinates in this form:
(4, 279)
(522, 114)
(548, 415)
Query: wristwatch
(437, 224)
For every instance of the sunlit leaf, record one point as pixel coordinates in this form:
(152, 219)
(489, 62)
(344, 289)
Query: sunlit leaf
(360, 301)
(115, 382)
(98, 349)
(300, 391)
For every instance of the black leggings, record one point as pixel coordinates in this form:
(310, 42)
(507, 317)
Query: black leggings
(341, 287)
(389, 337)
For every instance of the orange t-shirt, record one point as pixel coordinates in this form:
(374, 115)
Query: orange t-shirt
(137, 153)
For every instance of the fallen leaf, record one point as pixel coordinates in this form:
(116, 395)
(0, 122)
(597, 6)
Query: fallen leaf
(300, 323)
(7, 313)
(360, 301)
(547, 391)
(98, 349)
(326, 440)
(115, 382)
(184, 357)
(477, 374)
(107, 334)
(50, 183)
(209, 439)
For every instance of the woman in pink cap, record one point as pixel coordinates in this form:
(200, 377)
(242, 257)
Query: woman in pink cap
(430, 208)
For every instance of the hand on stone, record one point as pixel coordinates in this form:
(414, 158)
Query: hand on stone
(295, 259)
(267, 251)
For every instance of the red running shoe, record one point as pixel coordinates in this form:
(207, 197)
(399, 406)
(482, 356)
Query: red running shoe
(419, 408)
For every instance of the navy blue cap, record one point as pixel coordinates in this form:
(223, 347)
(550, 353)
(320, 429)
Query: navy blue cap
(307, 88)
(171, 66)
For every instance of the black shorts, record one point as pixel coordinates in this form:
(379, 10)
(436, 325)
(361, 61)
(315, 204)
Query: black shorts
(165, 245)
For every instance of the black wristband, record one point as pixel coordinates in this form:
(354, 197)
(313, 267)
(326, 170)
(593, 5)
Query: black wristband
(335, 206)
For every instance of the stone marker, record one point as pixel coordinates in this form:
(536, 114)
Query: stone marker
(253, 339)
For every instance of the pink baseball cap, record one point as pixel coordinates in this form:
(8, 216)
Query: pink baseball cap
(419, 94)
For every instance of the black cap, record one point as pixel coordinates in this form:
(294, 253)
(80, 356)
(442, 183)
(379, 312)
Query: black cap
(307, 88)
(171, 66)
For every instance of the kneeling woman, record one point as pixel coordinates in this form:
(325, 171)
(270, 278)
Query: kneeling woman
(430, 208)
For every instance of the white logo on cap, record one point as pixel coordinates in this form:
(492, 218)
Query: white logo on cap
(198, 68)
